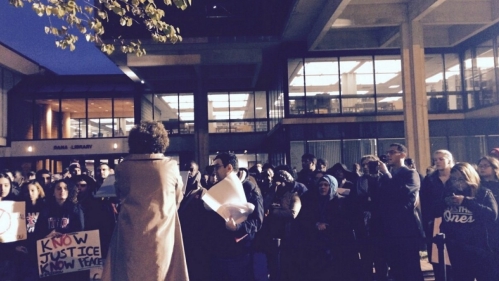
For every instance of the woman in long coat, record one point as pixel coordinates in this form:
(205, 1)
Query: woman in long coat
(147, 241)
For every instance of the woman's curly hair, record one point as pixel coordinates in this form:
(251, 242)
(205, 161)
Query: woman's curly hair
(148, 137)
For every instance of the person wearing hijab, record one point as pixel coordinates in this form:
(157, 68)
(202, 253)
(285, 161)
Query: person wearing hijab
(332, 254)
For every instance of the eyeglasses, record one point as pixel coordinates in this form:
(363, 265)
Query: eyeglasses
(391, 152)
(216, 167)
(484, 166)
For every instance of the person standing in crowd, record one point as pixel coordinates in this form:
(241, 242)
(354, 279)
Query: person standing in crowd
(147, 240)
(16, 189)
(94, 212)
(468, 211)
(411, 164)
(33, 195)
(341, 173)
(282, 205)
(44, 178)
(366, 218)
(306, 175)
(401, 215)
(193, 178)
(432, 190)
(322, 165)
(231, 243)
(331, 253)
(488, 169)
(101, 173)
(62, 217)
(7, 250)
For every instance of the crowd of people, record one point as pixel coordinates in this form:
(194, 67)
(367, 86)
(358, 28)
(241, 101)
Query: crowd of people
(322, 223)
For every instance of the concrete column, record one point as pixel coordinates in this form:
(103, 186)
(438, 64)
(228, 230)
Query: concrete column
(415, 103)
(201, 136)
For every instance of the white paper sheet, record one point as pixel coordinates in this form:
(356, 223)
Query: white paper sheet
(228, 200)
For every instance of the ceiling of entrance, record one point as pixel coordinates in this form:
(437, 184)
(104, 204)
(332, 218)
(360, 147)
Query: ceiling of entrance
(233, 44)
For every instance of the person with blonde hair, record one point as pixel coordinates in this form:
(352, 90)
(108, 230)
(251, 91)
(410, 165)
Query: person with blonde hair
(147, 240)
(468, 211)
(432, 190)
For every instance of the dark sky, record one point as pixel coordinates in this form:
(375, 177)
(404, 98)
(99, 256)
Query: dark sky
(22, 30)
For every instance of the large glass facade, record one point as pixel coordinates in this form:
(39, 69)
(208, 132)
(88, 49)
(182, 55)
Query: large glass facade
(74, 118)
(345, 85)
(237, 112)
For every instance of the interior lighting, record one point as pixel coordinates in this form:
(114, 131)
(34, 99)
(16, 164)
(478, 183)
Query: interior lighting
(435, 78)
(394, 86)
(258, 108)
(30, 148)
(142, 81)
(389, 99)
(115, 146)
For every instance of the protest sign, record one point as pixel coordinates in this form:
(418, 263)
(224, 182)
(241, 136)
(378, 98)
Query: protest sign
(12, 221)
(67, 253)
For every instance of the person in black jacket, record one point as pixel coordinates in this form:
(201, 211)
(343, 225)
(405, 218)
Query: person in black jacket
(468, 211)
(400, 218)
(432, 190)
(365, 198)
(231, 242)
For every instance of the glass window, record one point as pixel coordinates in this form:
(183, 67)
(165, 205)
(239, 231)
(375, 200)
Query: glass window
(437, 143)
(388, 74)
(353, 150)
(261, 105)
(358, 105)
(357, 76)
(123, 116)
(73, 110)
(389, 103)
(467, 148)
(218, 109)
(100, 122)
(452, 73)
(166, 110)
(296, 80)
(322, 85)
(297, 149)
(327, 149)
(434, 69)
(486, 73)
(241, 106)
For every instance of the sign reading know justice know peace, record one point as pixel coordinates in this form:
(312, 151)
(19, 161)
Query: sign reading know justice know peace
(67, 253)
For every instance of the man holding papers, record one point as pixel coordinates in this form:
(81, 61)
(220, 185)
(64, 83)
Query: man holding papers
(237, 215)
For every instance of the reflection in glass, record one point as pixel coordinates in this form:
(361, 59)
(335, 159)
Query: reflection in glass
(173, 110)
(388, 74)
(389, 103)
(357, 76)
(358, 105)
(486, 73)
(434, 68)
(71, 109)
(100, 123)
(452, 73)
(123, 116)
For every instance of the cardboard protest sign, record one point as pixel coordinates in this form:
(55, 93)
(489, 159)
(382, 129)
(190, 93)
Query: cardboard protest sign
(67, 253)
(12, 221)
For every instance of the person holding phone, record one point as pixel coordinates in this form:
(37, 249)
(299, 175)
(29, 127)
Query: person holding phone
(468, 211)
